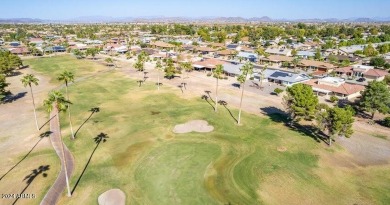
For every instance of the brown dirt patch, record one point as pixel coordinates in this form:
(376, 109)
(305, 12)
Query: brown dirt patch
(193, 126)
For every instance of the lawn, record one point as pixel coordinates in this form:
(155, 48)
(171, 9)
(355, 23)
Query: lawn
(233, 164)
(53, 66)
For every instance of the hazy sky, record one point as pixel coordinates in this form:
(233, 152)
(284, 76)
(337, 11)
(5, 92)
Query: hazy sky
(291, 9)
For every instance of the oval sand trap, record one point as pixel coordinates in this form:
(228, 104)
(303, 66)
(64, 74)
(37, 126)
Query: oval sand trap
(193, 126)
(112, 197)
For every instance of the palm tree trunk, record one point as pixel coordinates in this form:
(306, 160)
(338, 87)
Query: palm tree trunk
(35, 113)
(158, 81)
(372, 115)
(261, 81)
(63, 154)
(330, 140)
(70, 120)
(239, 113)
(216, 96)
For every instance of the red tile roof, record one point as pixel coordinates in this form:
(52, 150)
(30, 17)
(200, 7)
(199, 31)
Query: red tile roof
(345, 88)
(376, 73)
(344, 69)
(19, 50)
(209, 63)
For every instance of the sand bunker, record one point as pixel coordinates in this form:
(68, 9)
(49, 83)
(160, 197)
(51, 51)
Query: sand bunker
(112, 197)
(282, 149)
(193, 126)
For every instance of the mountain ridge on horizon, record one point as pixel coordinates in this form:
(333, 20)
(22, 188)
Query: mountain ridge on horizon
(178, 19)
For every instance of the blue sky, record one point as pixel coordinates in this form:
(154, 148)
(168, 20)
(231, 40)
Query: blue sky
(291, 9)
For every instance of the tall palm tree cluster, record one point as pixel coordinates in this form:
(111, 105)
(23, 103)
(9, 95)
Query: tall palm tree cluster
(57, 103)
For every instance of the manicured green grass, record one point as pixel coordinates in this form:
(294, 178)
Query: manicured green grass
(53, 66)
(233, 164)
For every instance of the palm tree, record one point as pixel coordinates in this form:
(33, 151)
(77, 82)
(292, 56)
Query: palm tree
(218, 71)
(295, 62)
(30, 79)
(187, 67)
(262, 76)
(57, 103)
(67, 77)
(247, 69)
(159, 68)
(139, 66)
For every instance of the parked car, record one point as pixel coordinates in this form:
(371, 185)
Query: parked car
(361, 80)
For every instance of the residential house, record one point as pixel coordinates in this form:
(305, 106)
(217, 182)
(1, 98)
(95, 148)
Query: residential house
(205, 50)
(36, 41)
(184, 41)
(285, 78)
(217, 45)
(247, 49)
(94, 42)
(252, 57)
(358, 71)
(335, 86)
(207, 64)
(162, 45)
(235, 47)
(276, 59)
(232, 69)
(318, 66)
(341, 58)
(14, 44)
(227, 53)
(305, 54)
(351, 49)
(19, 50)
(283, 51)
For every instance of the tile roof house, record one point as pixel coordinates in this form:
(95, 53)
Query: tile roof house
(217, 45)
(205, 50)
(160, 44)
(19, 50)
(335, 86)
(317, 65)
(36, 41)
(368, 72)
(276, 59)
(247, 49)
(342, 58)
(226, 52)
(207, 64)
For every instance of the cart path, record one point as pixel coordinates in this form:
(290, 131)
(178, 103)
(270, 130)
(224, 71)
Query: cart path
(59, 185)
